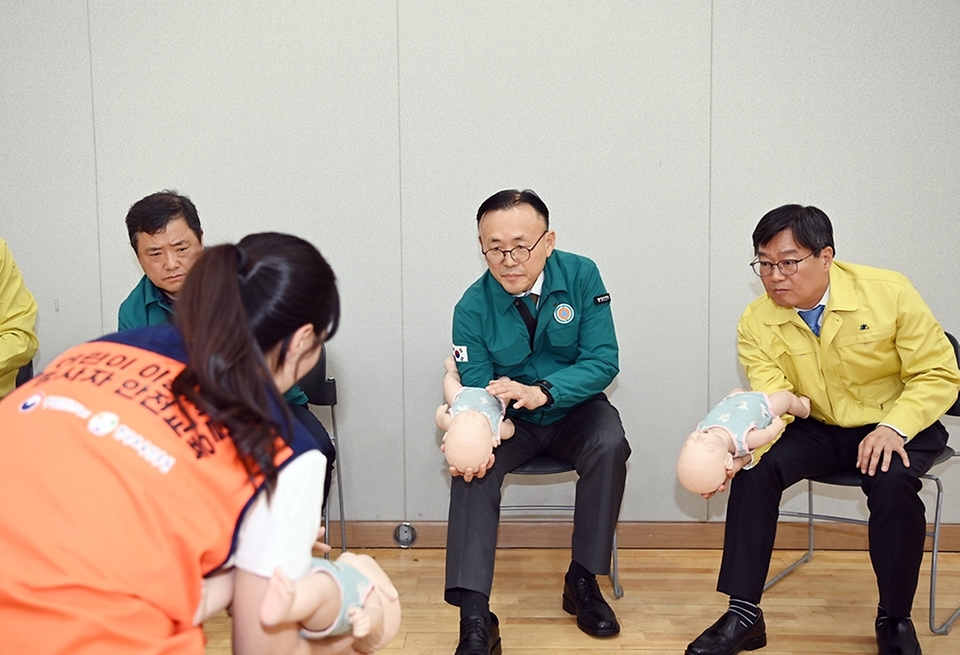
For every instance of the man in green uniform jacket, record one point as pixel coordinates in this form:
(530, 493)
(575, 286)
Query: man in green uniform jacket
(536, 330)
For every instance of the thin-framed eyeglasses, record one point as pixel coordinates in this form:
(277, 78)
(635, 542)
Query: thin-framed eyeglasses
(519, 254)
(786, 266)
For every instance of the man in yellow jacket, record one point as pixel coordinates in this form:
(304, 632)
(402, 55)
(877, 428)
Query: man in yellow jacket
(864, 347)
(18, 313)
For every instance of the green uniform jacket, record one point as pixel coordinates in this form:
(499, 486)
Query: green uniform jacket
(575, 344)
(881, 357)
(148, 305)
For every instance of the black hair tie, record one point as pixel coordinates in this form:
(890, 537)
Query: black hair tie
(241, 260)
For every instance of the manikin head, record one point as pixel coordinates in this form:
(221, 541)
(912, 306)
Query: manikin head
(704, 461)
(468, 441)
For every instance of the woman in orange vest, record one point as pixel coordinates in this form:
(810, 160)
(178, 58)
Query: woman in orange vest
(147, 461)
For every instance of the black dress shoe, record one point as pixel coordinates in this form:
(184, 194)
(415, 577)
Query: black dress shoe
(479, 636)
(897, 637)
(582, 597)
(728, 636)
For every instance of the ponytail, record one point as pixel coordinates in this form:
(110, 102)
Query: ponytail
(239, 302)
(226, 376)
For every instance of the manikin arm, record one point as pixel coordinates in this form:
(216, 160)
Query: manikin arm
(443, 418)
(786, 402)
(757, 438)
(451, 380)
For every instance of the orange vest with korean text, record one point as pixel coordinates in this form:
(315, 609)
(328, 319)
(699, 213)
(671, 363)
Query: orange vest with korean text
(115, 502)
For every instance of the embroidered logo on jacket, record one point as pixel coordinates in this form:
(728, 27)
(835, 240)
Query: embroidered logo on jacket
(563, 314)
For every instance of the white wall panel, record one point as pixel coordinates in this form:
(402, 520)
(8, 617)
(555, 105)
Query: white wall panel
(271, 117)
(48, 200)
(603, 109)
(849, 106)
(658, 133)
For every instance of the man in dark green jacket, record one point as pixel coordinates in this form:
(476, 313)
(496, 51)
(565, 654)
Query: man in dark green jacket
(165, 232)
(536, 330)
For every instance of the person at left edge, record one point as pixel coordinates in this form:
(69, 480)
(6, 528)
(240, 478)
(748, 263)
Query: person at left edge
(18, 313)
(165, 233)
(152, 461)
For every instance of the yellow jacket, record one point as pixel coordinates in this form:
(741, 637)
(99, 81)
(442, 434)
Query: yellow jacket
(18, 313)
(881, 357)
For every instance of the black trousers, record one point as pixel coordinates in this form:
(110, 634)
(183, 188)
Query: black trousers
(313, 425)
(807, 449)
(590, 437)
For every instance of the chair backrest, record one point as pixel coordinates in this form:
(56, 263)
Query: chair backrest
(320, 389)
(955, 409)
(25, 374)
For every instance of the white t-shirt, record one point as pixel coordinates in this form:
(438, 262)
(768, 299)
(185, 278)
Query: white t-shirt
(282, 532)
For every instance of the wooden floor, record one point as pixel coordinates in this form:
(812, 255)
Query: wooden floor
(825, 608)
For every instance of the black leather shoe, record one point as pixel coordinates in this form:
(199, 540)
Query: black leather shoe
(582, 597)
(479, 636)
(897, 637)
(728, 636)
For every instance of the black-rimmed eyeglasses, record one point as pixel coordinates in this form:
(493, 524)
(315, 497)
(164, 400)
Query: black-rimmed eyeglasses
(519, 254)
(786, 266)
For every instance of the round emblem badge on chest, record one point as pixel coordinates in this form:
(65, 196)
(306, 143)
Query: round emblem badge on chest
(563, 314)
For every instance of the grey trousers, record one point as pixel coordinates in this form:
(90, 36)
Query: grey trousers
(590, 437)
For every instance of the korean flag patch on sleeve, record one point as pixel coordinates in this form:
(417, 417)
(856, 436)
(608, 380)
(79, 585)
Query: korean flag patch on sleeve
(460, 354)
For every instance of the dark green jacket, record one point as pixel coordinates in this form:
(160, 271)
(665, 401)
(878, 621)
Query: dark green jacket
(146, 305)
(574, 347)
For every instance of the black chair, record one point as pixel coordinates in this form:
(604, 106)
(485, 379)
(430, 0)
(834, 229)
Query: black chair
(25, 374)
(853, 479)
(546, 465)
(322, 391)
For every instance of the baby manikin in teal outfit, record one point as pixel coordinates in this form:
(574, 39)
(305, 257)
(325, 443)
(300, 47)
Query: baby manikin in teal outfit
(474, 423)
(726, 438)
(351, 595)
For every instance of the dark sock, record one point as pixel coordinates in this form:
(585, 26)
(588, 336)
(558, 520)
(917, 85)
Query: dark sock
(577, 571)
(747, 612)
(883, 616)
(473, 603)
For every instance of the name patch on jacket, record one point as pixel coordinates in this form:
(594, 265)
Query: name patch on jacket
(600, 300)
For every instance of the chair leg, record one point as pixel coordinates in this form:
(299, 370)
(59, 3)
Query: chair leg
(338, 470)
(615, 570)
(325, 520)
(944, 627)
(807, 556)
